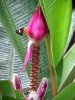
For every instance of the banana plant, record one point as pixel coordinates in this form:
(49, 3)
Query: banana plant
(16, 14)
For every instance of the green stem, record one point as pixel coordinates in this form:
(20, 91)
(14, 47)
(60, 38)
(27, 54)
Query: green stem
(52, 74)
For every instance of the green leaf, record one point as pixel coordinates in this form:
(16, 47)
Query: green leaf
(70, 78)
(59, 70)
(10, 28)
(19, 96)
(8, 98)
(67, 94)
(7, 88)
(68, 68)
(0, 94)
(58, 16)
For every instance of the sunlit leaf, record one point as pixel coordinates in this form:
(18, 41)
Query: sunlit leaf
(7, 88)
(59, 70)
(19, 95)
(67, 94)
(69, 79)
(68, 67)
(58, 16)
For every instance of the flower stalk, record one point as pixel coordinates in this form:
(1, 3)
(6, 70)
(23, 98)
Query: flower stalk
(34, 67)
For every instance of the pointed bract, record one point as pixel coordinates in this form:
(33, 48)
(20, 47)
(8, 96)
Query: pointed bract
(17, 82)
(28, 55)
(42, 88)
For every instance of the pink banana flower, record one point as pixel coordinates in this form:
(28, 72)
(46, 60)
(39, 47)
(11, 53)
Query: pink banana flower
(36, 31)
(41, 91)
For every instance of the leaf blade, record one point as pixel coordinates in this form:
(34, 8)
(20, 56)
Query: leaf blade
(68, 65)
(7, 88)
(57, 13)
(67, 94)
(19, 95)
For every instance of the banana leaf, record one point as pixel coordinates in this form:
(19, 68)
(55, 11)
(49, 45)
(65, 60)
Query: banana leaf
(19, 96)
(7, 88)
(68, 68)
(67, 94)
(58, 17)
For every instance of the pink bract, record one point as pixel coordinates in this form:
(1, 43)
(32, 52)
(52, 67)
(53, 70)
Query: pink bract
(42, 88)
(27, 57)
(17, 82)
(37, 27)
